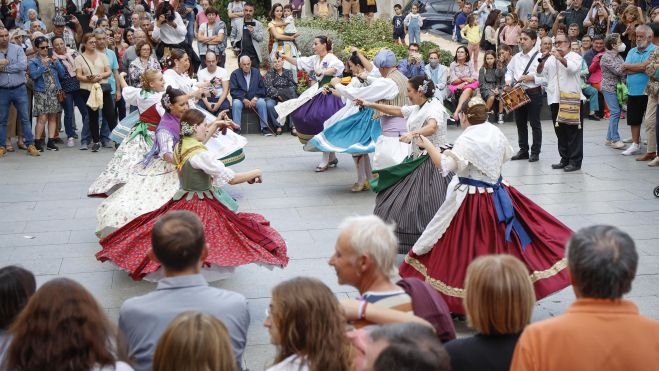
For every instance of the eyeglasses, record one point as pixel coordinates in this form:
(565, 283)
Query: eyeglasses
(43, 47)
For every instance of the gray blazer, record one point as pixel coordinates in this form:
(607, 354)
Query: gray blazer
(257, 35)
(144, 318)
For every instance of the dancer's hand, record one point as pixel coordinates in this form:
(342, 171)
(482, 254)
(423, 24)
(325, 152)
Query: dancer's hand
(406, 138)
(256, 178)
(362, 103)
(423, 142)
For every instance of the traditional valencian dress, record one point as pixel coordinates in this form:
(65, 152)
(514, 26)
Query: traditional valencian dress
(138, 140)
(312, 108)
(482, 215)
(233, 239)
(410, 193)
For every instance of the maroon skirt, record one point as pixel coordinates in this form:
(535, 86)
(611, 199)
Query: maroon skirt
(233, 239)
(475, 230)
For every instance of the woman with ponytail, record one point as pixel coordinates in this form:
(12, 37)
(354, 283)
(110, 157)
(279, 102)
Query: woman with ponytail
(484, 215)
(410, 193)
(135, 133)
(232, 238)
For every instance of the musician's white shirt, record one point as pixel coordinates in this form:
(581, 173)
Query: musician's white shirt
(518, 64)
(570, 79)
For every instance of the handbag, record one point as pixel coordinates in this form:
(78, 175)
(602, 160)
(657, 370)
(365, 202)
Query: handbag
(61, 96)
(569, 106)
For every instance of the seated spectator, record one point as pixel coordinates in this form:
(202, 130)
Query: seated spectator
(17, 285)
(280, 86)
(218, 79)
(586, 88)
(407, 346)
(364, 258)
(323, 9)
(438, 73)
(248, 91)
(178, 243)
(462, 79)
(413, 65)
(194, 342)
(491, 80)
(307, 327)
(499, 301)
(33, 16)
(63, 327)
(600, 330)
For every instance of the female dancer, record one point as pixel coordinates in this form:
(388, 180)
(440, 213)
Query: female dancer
(409, 194)
(311, 109)
(228, 147)
(139, 139)
(232, 238)
(484, 215)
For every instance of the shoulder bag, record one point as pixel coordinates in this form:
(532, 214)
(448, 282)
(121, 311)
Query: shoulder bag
(105, 87)
(569, 106)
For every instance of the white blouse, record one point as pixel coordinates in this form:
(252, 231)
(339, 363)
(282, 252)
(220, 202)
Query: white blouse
(143, 99)
(315, 63)
(207, 163)
(179, 81)
(292, 363)
(418, 116)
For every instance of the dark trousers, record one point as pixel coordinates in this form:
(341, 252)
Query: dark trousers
(570, 138)
(529, 113)
(108, 114)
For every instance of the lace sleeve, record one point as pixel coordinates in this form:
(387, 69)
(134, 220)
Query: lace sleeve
(213, 167)
(165, 142)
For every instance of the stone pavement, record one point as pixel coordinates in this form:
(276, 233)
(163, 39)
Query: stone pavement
(47, 222)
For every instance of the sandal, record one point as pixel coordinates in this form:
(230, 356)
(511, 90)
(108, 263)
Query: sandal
(9, 147)
(279, 131)
(293, 132)
(321, 169)
(21, 145)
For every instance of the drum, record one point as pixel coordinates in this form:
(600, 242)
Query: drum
(514, 99)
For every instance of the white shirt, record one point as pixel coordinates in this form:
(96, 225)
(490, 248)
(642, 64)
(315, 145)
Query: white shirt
(570, 81)
(315, 63)
(203, 75)
(518, 64)
(143, 100)
(169, 35)
(292, 363)
(206, 162)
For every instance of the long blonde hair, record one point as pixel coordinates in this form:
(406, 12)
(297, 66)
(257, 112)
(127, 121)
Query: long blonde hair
(194, 342)
(311, 324)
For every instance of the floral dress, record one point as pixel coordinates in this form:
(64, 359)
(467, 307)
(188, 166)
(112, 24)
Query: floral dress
(137, 68)
(46, 102)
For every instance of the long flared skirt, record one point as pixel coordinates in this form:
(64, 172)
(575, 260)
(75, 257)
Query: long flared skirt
(355, 134)
(233, 239)
(475, 231)
(118, 170)
(412, 202)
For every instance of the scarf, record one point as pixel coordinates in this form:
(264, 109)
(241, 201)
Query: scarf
(67, 61)
(187, 148)
(169, 123)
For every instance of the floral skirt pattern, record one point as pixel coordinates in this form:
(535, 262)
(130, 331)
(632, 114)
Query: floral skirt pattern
(46, 101)
(117, 171)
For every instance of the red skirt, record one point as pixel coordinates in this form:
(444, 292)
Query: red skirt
(233, 239)
(475, 231)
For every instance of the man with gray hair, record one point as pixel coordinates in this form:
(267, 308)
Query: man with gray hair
(600, 330)
(248, 91)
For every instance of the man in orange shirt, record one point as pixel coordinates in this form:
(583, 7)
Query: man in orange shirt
(600, 330)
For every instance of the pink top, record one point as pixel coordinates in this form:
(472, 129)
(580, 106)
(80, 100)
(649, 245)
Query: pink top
(201, 18)
(595, 69)
(510, 35)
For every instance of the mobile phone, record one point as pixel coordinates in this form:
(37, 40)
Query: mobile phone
(251, 23)
(50, 52)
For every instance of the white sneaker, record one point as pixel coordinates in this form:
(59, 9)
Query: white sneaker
(654, 162)
(627, 140)
(500, 121)
(70, 142)
(633, 149)
(617, 145)
(608, 142)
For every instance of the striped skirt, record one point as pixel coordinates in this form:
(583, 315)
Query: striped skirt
(412, 203)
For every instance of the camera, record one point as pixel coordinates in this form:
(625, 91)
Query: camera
(168, 11)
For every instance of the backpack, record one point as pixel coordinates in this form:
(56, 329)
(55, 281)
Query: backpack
(429, 304)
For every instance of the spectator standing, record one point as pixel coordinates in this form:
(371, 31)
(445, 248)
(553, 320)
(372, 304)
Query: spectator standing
(146, 60)
(602, 261)
(349, 7)
(499, 301)
(13, 65)
(561, 71)
(588, 90)
(235, 11)
(283, 41)
(398, 23)
(178, 245)
(576, 14)
(649, 119)
(413, 65)
(17, 285)
(211, 37)
(637, 102)
(203, 6)
(511, 32)
(280, 86)
(484, 11)
(170, 30)
(461, 20)
(307, 326)
(218, 85)
(438, 73)
(297, 6)
(44, 70)
(413, 23)
(612, 75)
(546, 14)
(369, 8)
(489, 40)
(323, 9)
(248, 91)
(524, 10)
(248, 35)
(598, 21)
(62, 325)
(131, 54)
(108, 121)
(472, 33)
(626, 27)
(652, 90)
(195, 342)
(71, 87)
(32, 16)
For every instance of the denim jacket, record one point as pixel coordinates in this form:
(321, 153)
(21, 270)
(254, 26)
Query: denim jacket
(36, 69)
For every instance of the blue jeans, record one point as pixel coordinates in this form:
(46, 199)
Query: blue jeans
(273, 115)
(414, 34)
(71, 101)
(189, 36)
(614, 109)
(593, 99)
(261, 108)
(17, 96)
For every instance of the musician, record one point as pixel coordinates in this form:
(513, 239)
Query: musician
(522, 71)
(567, 64)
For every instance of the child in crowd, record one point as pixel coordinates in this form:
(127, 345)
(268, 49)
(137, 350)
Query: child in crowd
(290, 28)
(490, 79)
(472, 33)
(399, 25)
(413, 22)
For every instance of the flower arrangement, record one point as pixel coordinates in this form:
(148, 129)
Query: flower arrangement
(303, 81)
